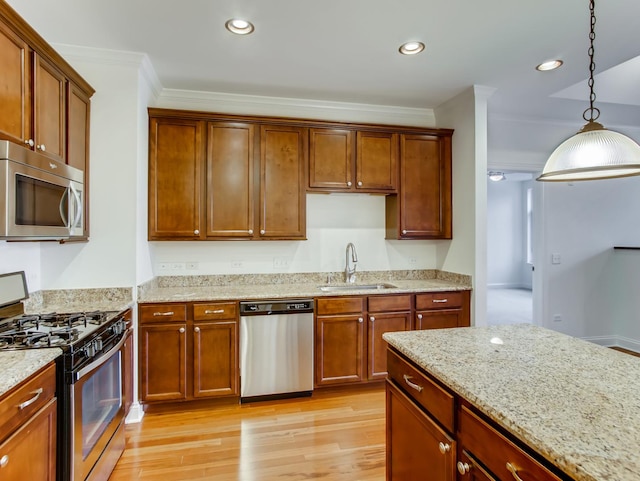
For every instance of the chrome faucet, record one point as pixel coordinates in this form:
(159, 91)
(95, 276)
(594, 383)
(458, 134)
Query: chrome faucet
(350, 272)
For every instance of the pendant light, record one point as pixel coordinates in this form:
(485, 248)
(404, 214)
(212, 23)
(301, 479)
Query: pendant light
(594, 152)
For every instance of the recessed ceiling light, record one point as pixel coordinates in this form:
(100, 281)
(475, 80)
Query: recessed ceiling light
(549, 65)
(239, 26)
(411, 48)
(496, 176)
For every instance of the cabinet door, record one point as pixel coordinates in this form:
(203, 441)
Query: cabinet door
(30, 452)
(50, 93)
(377, 161)
(422, 209)
(339, 349)
(283, 157)
(230, 180)
(417, 448)
(15, 98)
(438, 319)
(330, 159)
(176, 151)
(378, 324)
(470, 470)
(127, 372)
(78, 113)
(215, 359)
(163, 368)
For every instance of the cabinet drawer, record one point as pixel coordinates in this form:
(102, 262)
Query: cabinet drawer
(390, 303)
(339, 305)
(432, 397)
(438, 300)
(501, 456)
(20, 404)
(162, 312)
(219, 310)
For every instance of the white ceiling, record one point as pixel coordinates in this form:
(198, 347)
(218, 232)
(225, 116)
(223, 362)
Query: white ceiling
(347, 50)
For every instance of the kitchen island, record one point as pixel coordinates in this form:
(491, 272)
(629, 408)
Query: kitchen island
(571, 404)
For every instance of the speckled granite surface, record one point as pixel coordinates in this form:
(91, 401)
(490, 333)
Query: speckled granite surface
(272, 286)
(574, 402)
(17, 366)
(78, 300)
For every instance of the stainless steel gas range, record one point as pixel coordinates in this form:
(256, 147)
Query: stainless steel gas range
(89, 382)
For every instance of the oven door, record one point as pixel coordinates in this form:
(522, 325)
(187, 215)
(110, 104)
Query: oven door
(97, 413)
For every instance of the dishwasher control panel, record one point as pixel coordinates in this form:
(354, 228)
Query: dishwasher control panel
(276, 307)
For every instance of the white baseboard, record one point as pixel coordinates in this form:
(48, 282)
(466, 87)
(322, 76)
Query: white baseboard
(508, 286)
(136, 413)
(615, 341)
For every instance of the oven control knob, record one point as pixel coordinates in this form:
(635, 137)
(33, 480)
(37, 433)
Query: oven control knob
(89, 350)
(97, 344)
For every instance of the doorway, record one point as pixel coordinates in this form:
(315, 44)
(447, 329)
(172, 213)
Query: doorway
(510, 247)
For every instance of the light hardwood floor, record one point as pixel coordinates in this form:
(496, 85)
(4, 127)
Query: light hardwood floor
(332, 436)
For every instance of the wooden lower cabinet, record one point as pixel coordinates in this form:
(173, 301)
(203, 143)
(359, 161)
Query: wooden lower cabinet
(350, 350)
(28, 416)
(470, 469)
(417, 448)
(188, 351)
(442, 310)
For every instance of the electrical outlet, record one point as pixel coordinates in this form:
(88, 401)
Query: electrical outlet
(177, 266)
(557, 318)
(236, 264)
(556, 259)
(192, 266)
(413, 261)
(280, 262)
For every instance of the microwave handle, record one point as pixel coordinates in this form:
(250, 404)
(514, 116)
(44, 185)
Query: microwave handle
(63, 203)
(78, 206)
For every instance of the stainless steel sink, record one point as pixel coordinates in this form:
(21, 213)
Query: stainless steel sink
(356, 287)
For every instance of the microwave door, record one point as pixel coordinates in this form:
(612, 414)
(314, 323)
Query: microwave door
(64, 208)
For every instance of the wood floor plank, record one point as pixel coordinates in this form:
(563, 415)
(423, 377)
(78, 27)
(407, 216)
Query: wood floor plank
(337, 436)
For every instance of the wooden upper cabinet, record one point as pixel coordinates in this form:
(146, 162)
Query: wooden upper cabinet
(377, 161)
(230, 180)
(282, 201)
(331, 159)
(338, 164)
(50, 93)
(15, 121)
(422, 209)
(176, 150)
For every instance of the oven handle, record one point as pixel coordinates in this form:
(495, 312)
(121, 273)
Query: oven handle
(102, 359)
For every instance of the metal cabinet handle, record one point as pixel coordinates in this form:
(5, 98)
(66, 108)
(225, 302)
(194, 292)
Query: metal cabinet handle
(29, 402)
(4, 460)
(349, 184)
(514, 471)
(439, 301)
(196, 232)
(444, 448)
(359, 183)
(404, 231)
(29, 142)
(419, 317)
(463, 468)
(262, 231)
(372, 319)
(216, 311)
(412, 385)
(181, 330)
(196, 329)
(251, 231)
(168, 313)
(41, 147)
(360, 319)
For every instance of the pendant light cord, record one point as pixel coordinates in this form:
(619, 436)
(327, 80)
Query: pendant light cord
(594, 112)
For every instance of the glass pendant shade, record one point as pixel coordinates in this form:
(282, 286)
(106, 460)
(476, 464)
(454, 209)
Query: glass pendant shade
(593, 153)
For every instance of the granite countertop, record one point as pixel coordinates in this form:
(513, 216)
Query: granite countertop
(250, 287)
(17, 366)
(572, 401)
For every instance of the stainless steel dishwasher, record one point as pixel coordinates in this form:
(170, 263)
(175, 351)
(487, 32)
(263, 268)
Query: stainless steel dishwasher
(276, 349)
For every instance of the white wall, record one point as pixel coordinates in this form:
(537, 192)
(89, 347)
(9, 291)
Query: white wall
(22, 256)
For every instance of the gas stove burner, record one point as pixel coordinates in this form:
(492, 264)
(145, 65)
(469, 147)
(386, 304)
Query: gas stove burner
(27, 322)
(63, 320)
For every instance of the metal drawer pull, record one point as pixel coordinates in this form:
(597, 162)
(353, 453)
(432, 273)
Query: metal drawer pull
(36, 395)
(440, 300)
(360, 319)
(216, 311)
(196, 329)
(463, 468)
(169, 313)
(444, 448)
(514, 471)
(4, 460)
(181, 330)
(413, 385)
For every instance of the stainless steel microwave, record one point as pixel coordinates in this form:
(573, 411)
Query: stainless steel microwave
(41, 199)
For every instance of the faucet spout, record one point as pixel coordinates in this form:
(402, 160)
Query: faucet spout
(350, 271)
